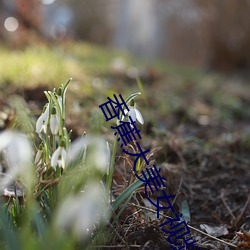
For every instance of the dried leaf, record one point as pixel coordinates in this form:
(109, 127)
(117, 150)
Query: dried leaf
(245, 236)
(214, 230)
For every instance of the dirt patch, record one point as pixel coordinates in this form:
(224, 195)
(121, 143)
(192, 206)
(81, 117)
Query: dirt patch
(205, 154)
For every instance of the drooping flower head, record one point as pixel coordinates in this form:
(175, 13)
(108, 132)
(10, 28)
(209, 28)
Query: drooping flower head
(134, 113)
(42, 122)
(59, 157)
(80, 214)
(54, 121)
(17, 152)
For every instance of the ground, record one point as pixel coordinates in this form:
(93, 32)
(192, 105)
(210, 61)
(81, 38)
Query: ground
(196, 123)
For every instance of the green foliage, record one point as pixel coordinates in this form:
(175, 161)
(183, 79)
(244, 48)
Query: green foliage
(40, 64)
(66, 206)
(112, 164)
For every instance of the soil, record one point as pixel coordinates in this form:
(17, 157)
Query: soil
(203, 150)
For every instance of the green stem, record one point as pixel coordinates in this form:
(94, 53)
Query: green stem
(46, 147)
(63, 101)
(112, 166)
(54, 142)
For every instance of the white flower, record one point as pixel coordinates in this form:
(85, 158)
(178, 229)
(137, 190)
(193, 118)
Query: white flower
(100, 155)
(17, 152)
(134, 113)
(42, 122)
(54, 121)
(79, 214)
(59, 158)
(98, 152)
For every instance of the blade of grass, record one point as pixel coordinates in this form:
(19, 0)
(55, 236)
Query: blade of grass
(11, 239)
(122, 209)
(126, 193)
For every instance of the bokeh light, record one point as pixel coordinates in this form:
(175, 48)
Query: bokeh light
(58, 31)
(11, 24)
(48, 2)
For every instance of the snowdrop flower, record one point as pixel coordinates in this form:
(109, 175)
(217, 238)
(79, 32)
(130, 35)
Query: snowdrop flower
(79, 214)
(98, 152)
(59, 157)
(42, 122)
(134, 113)
(54, 121)
(77, 149)
(17, 152)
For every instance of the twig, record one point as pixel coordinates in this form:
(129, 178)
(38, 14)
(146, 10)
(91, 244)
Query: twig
(237, 220)
(195, 229)
(227, 207)
(48, 185)
(117, 233)
(178, 191)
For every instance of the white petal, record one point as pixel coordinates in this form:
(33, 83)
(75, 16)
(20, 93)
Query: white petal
(61, 163)
(101, 155)
(132, 113)
(42, 121)
(54, 124)
(44, 127)
(5, 139)
(39, 123)
(64, 154)
(77, 148)
(19, 158)
(55, 156)
(65, 217)
(46, 113)
(139, 116)
(63, 159)
(19, 151)
(78, 214)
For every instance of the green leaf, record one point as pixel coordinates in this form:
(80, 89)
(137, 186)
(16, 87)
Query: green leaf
(132, 96)
(11, 237)
(39, 222)
(138, 165)
(65, 87)
(126, 193)
(121, 210)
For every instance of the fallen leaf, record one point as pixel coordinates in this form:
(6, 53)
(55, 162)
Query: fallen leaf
(245, 236)
(214, 230)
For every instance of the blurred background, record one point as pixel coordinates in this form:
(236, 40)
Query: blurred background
(212, 34)
(193, 60)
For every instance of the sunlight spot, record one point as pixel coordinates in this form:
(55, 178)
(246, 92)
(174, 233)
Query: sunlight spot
(11, 24)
